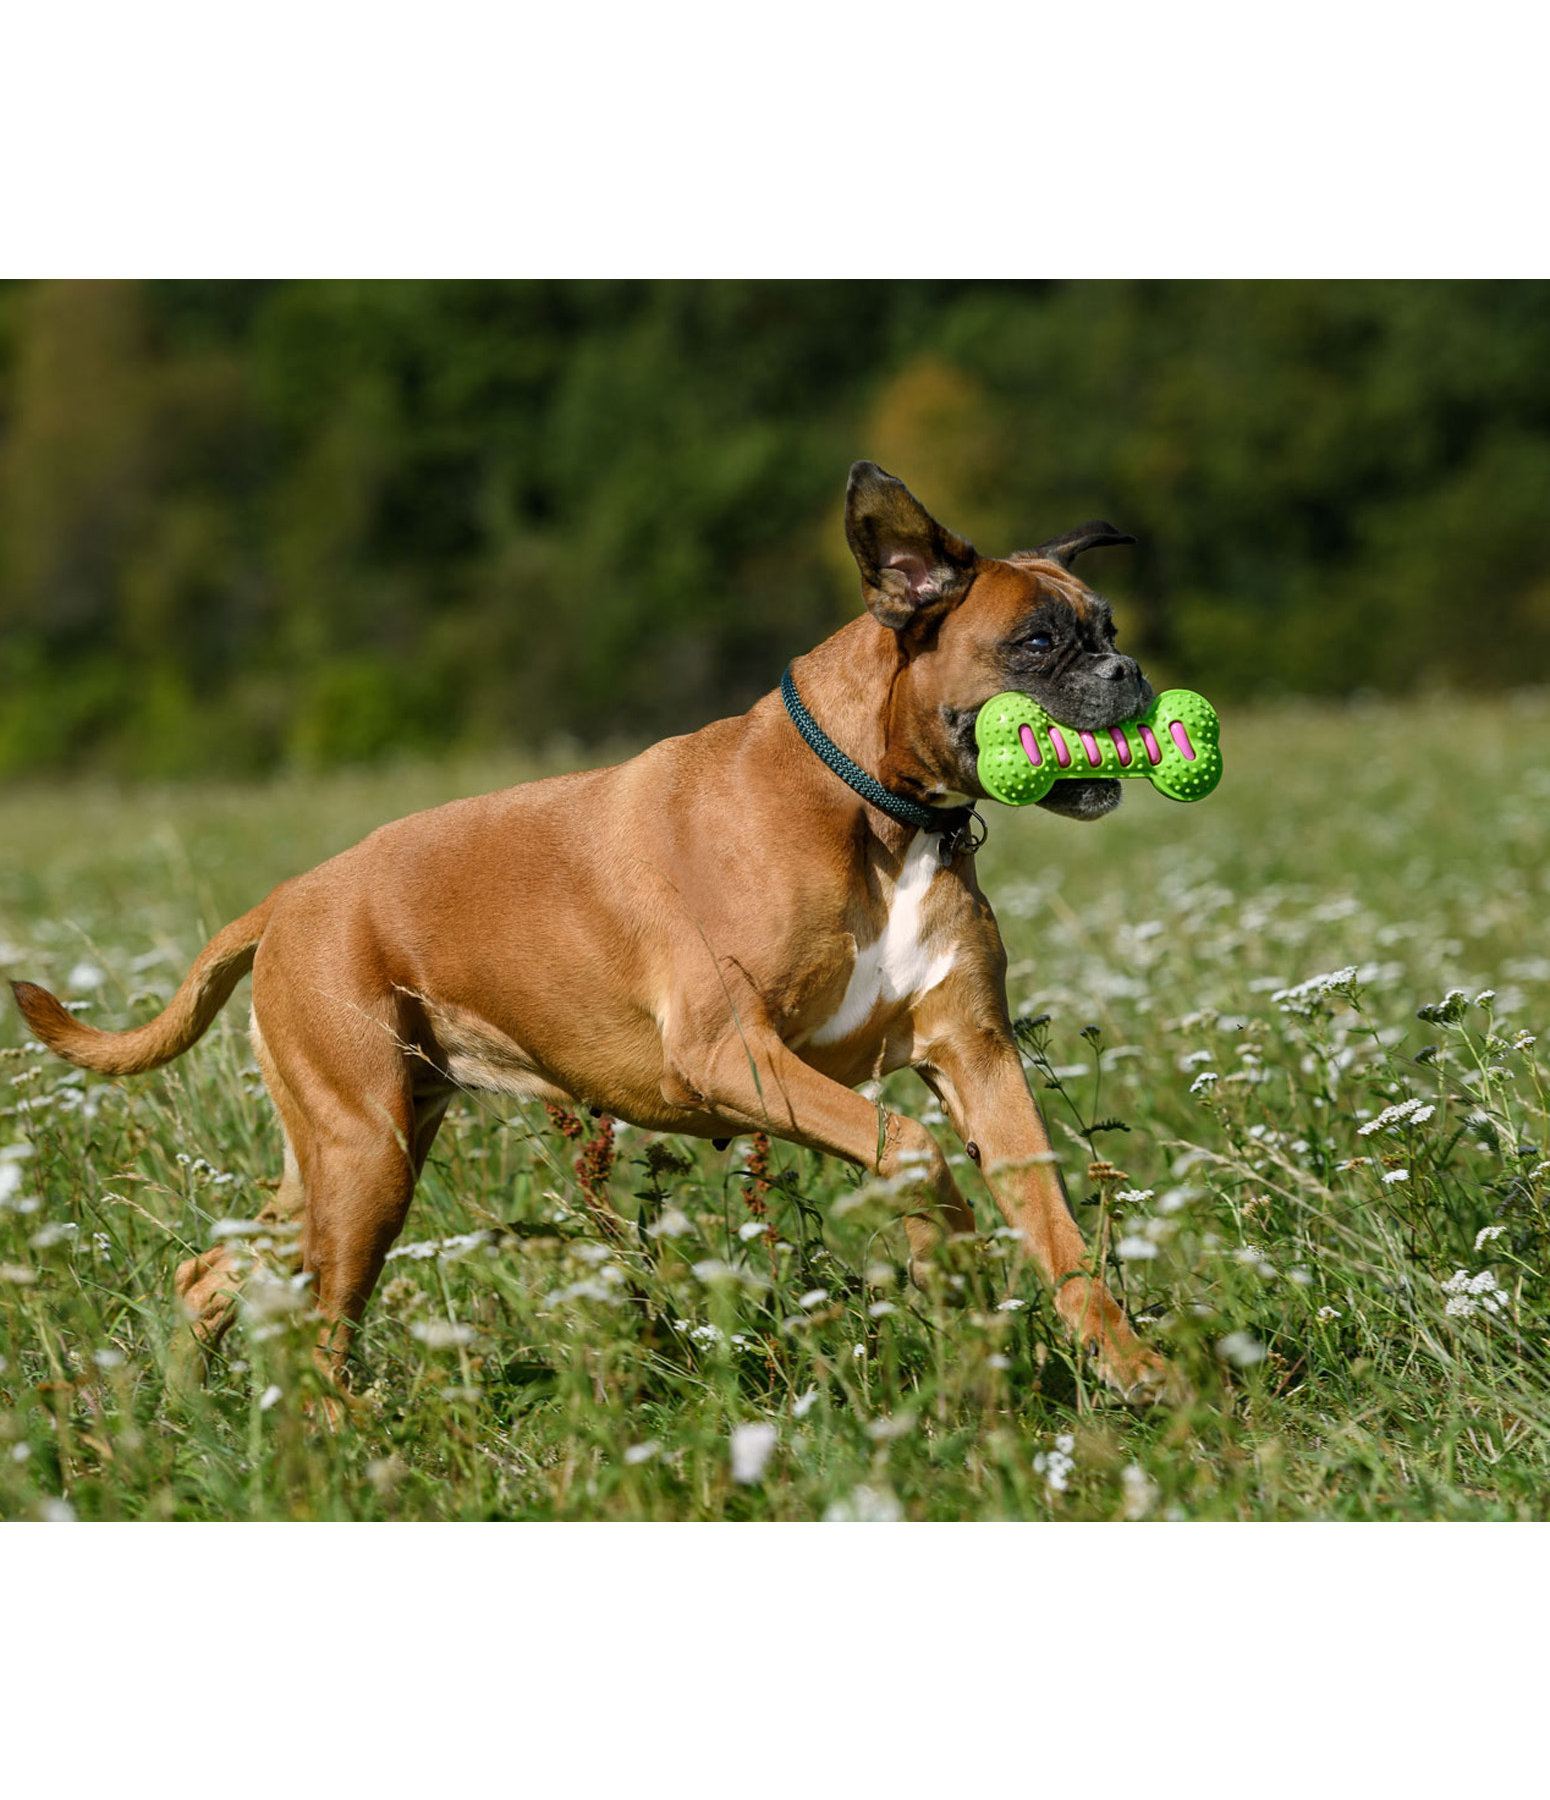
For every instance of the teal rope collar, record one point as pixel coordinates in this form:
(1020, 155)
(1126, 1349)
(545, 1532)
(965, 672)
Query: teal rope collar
(951, 823)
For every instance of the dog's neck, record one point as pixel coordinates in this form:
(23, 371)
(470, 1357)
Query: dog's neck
(857, 687)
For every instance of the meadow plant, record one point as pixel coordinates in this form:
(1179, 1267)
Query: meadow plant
(1287, 1045)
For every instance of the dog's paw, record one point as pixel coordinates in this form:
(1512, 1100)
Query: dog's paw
(1142, 1378)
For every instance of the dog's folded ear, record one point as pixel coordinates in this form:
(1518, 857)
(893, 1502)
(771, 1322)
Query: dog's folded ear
(909, 564)
(1065, 549)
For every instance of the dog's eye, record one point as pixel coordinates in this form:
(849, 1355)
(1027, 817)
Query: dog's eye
(1041, 640)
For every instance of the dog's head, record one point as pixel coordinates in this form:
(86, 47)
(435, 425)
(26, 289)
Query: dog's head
(970, 627)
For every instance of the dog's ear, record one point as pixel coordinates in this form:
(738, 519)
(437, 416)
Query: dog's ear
(909, 564)
(1065, 549)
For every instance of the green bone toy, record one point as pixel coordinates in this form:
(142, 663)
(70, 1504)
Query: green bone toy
(1023, 752)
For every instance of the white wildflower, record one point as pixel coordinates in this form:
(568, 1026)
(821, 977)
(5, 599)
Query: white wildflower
(804, 1403)
(1525, 1040)
(10, 1181)
(1204, 1082)
(269, 1397)
(752, 1447)
(441, 1334)
(1139, 1490)
(1241, 1348)
(712, 1269)
(1329, 1314)
(639, 1453)
(813, 1297)
(1305, 996)
(672, 1224)
(1011, 1306)
(108, 1357)
(1133, 1196)
(1469, 1294)
(1056, 1464)
(754, 1228)
(884, 1430)
(604, 1289)
(425, 1248)
(866, 1506)
(84, 977)
(1411, 1111)
(1394, 1176)
(55, 1510)
(1486, 1233)
(1135, 1248)
(880, 1309)
(858, 1353)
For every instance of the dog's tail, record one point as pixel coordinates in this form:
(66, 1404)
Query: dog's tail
(206, 988)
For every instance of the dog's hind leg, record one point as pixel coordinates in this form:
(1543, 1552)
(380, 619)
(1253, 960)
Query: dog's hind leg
(351, 1162)
(360, 1181)
(361, 1129)
(208, 1285)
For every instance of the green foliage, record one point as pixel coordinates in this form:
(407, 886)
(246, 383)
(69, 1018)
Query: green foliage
(1305, 1032)
(251, 524)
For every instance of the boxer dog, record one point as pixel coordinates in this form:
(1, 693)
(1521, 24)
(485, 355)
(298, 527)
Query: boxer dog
(730, 933)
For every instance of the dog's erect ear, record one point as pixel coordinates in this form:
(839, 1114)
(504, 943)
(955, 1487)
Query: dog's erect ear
(909, 564)
(1065, 549)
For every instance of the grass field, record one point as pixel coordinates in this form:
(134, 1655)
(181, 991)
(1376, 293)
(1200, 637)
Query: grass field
(1334, 1213)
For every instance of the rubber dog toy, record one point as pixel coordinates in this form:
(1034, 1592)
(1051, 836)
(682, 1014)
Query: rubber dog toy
(1023, 752)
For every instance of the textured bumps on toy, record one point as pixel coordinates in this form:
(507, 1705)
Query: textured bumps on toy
(1023, 752)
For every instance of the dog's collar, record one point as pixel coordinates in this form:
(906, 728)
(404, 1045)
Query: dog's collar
(953, 824)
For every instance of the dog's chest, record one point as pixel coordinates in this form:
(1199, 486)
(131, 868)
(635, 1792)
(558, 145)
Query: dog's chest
(905, 960)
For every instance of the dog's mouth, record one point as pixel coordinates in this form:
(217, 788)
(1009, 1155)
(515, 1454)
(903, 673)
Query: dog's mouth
(1089, 714)
(1083, 797)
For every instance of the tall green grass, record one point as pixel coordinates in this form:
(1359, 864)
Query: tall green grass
(1296, 1022)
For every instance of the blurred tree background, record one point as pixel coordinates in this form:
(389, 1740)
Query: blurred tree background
(252, 524)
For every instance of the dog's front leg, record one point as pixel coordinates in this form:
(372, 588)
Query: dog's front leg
(979, 1077)
(751, 1081)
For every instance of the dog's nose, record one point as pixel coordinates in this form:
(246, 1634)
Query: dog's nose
(1118, 668)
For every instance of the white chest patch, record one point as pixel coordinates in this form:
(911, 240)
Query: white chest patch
(895, 965)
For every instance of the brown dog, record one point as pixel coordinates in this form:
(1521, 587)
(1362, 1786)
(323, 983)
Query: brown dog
(719, 936)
